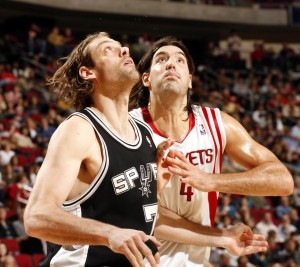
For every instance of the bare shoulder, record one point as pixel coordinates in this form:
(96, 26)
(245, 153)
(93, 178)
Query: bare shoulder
(75, 126)
(75, 132)
(231, 124)
(227, 118)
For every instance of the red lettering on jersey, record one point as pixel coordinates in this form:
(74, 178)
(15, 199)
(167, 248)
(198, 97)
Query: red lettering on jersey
(209, 155)
(186, 190)
(200, 156)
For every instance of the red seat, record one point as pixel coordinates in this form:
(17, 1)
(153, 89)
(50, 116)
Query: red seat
(22, 160)
(12, 245)
(24, 260)
(37, 258)
(10, 214)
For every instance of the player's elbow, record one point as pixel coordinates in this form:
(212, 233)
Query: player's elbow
(32, 223)
(288, 187)
(282, 178)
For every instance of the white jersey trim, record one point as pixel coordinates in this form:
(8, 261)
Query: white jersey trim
(70, 204)
(138, 141)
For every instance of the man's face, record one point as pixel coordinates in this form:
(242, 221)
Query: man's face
(2, 213)
(112, 62)
(169, 72)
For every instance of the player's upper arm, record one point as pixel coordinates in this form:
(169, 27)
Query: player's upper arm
(71, 143)
(241, 147)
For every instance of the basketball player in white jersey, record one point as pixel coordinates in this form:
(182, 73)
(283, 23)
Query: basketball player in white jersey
(202, 136)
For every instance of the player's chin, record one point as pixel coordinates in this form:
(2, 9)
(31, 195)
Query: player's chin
(134, 75)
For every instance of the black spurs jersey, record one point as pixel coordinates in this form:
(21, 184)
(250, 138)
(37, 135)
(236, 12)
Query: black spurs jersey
(122, 194)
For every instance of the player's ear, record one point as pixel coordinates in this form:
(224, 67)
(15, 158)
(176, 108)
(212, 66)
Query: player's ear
(86, 73)
(145, 79)
(190, 82)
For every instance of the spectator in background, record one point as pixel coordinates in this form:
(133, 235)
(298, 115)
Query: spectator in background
(144, 41)
(3, 251)
(260, 115)
(227, 208)
(22, 138)
(45, 131)
(34, 168)
(214, 55)
(7, 229)
(243, 261)
(267, 87)
(17, 168)
(224, 80)
(56, 41)
(222, 259)
(51, 67)
(283, 208)
(258, 56)
(6, 153)
(241, 88)
(259, 259)
(274, 245)
(289, 253)
(266, 225)
(17, 70)
(9, 261)
(291, 110)
(295, 220)
(36, 44)
(234, 43)
(244, 209)
(7, 175)
(295, 131)
(32, 128)
(18, 192)
(7, 77)
(225, 221)
(296, 194)
(277, 122)
(69, 41)
(54, 118)
(285, 228)
(3, 105)
(285, 56)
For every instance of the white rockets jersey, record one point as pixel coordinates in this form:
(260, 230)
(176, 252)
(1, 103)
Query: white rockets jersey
(203, 146)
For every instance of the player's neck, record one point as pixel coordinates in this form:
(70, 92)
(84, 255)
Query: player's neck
(115, 116)
(172, 122)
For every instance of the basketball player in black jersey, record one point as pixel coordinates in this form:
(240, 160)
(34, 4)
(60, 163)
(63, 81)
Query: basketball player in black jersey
(94, 199)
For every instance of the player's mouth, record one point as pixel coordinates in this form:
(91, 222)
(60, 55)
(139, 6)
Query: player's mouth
(128, 61)
(172, 74)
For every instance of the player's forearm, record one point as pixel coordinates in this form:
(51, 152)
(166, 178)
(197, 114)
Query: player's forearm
(172, 227)
(62, 228)
(268, 179)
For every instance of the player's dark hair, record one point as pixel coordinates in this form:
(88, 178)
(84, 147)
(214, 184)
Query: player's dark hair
(139, 96)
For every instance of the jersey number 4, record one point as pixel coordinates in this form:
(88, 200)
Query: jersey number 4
(186, 190)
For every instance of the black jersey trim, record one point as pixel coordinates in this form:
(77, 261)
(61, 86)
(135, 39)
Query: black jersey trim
(134, 145)
(70, 204)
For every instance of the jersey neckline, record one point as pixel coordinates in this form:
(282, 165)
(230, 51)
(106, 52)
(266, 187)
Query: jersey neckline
(149, 121)
(138, 140)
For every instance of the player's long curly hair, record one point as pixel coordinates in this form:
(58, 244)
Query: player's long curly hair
(67, 82)
(139, 96)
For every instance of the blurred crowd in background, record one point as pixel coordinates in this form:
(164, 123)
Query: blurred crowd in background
(264, 96)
